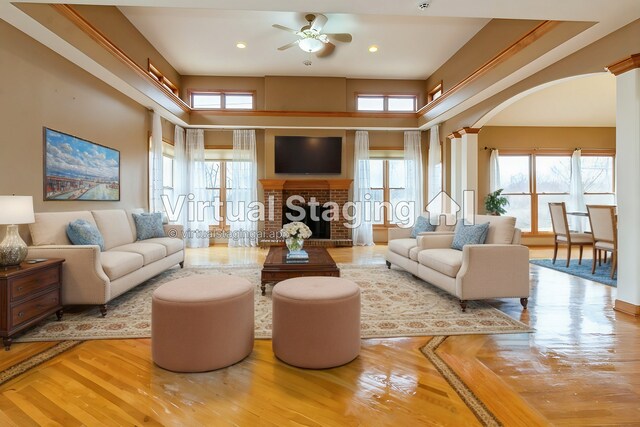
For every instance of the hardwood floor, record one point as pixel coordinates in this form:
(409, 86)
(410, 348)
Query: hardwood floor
(581, 366)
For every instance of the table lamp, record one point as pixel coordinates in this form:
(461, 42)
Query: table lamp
(14, 210)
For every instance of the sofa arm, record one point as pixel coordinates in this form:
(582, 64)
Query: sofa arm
(493, 271)
(435, 240)
(174, 230)
(83, 279)
(398, 233)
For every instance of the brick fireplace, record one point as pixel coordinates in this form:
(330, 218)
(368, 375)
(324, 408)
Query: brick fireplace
(323, 190)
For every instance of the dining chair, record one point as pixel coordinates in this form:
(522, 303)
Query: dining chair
(605, 233)
(563, 236)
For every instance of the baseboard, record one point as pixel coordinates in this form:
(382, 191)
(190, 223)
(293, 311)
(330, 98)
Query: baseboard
(627, 308)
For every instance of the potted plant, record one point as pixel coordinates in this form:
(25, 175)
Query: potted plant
(494, 203)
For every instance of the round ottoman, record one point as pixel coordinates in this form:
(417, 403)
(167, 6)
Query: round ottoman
(202, 323)
(316, 321)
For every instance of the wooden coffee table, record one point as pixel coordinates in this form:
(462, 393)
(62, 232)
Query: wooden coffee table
(276, 268)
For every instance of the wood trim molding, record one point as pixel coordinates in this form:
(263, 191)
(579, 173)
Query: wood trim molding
(305, 184)
(454, 135)
(274, 113)
(84, 25)
(627, 308)
(507, 53)
(470, 131)
(627, 64)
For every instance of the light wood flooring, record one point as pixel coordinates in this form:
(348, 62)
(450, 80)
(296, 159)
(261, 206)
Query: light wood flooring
(581, 366)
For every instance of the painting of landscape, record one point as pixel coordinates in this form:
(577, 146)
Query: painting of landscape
(76, 169)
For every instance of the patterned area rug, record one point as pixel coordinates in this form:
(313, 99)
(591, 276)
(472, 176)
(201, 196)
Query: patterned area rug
(602, 274)
(394, 304)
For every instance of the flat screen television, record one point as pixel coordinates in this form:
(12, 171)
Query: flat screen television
(308, 155)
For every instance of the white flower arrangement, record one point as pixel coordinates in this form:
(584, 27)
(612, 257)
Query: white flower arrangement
(295, 230)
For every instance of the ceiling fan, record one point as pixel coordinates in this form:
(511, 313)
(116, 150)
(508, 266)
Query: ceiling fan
(311, 39)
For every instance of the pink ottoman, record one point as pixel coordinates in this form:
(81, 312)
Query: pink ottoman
(202, 323)
(316, 321)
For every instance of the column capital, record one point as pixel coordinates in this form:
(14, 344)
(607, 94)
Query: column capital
(454, 135)
(464, 131)
(627, 64)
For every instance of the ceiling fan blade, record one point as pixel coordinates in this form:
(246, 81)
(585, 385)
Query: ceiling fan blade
(287, 46)
(341, 37)
(282, 27)
(327, 50)
(318, 22)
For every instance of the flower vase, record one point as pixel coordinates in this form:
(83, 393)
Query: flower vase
(294, 243)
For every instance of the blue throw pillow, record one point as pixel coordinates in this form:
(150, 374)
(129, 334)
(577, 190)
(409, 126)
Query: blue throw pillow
(469, 235)
(82, 232)
(422, 225)
(148, 225)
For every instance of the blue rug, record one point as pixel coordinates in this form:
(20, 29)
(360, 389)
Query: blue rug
(602, 274)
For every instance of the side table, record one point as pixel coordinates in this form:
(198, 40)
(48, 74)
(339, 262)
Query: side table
(28, 294)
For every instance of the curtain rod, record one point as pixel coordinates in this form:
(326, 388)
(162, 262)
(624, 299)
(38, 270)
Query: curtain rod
(549, 149)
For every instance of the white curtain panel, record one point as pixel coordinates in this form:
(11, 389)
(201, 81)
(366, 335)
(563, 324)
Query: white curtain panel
(155, 165)
(180, 176)
(413, 170)
(494, 171)
(197, 219)
(576, 193)
(362, 234)
(244, 189)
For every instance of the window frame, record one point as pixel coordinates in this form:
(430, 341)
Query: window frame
(162, 79)
(533, 191)
(173, 171)
(385, 102)
(435, 93)
(386, 194)
(223, 94)
(222, 189)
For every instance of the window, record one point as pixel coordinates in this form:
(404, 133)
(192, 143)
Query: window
(434, 93)
(390, 103)
(222, 100)
(167, 171)
(532, 181)
(387, 185)
(220, 183)
(160, 78)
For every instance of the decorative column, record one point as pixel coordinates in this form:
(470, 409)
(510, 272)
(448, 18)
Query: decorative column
(627, 74)
(469, 163)
(455, 147)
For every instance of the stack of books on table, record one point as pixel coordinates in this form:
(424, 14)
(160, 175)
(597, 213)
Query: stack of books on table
(300, 256)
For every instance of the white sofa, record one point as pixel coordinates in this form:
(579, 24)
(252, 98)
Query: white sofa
(497, 269)
(90, 276)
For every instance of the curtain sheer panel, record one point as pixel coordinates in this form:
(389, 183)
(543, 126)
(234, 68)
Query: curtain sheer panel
(363, 233)
(156, 187)
(413, 171)
(197, 218)
(244, 190)
(494, 171)
(576, 193)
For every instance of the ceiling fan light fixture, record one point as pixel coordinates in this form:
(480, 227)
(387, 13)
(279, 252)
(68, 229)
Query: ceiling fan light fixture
(311, 45)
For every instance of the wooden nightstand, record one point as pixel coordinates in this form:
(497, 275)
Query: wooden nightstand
(28, 294)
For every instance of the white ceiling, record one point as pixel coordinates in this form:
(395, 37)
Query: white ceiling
(580, 102)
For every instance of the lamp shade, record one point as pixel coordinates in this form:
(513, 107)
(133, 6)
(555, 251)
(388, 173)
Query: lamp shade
(16, 210)
(310, 45)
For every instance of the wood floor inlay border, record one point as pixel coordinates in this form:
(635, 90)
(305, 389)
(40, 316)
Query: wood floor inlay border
(479, 409)
(36, 360)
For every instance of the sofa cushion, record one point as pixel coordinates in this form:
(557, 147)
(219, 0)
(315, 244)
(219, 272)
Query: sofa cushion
(82, 232)
(501, 228)
(402, 246)
(151, 252)
(413, 253)
(445, 261)
(171, 245)
(117, 264)
(148, 225)
(422, 225)
(114, 227)
(469, 235)
(50, 228)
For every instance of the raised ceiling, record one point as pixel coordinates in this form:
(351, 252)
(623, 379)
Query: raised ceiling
(580, 102)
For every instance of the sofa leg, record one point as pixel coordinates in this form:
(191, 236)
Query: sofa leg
(463, 305)
(388, 265)
(182, 264)
(524, 302)
(103, 310)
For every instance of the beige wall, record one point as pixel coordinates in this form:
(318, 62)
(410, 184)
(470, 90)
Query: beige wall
(43, 89)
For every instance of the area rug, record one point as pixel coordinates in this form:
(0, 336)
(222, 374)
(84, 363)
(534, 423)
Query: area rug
(602, 274)
(394, 304)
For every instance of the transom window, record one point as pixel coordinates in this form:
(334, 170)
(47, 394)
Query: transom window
(158, 76)
(533, 180)
(222, 100)
(390, 103)
(434, 93)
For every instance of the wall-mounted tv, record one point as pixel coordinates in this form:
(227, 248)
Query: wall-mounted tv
(309, 155)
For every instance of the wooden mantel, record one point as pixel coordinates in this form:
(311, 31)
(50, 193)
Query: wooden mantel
(306, 184)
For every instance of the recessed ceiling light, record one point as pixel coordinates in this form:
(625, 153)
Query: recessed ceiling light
(241, 45)
(373, 48)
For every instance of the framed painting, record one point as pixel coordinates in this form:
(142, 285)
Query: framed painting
(76, 169)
